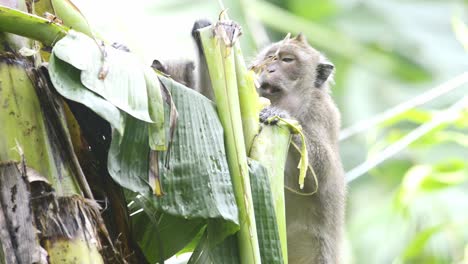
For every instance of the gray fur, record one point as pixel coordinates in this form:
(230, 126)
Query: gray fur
(179, 70)
(301, 88)
(183, 70)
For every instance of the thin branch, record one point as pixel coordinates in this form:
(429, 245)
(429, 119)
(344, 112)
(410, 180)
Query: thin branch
(437, 120)
(405, 106)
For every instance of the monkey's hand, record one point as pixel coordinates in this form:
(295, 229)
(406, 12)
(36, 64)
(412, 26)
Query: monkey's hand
(268, 113)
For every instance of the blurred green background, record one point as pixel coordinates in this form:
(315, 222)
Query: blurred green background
(412, 207)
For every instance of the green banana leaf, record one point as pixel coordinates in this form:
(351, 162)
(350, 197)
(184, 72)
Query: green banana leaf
(115, 75)
(226, 252)
(66, 80)
(198, 172)
(127, 160)
(157, 132)
(265, 220)
(126, 88)
(197, 184)
(265, 217)
(161, 235)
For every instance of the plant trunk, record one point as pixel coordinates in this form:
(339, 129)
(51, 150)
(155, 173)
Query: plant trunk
(47, 211)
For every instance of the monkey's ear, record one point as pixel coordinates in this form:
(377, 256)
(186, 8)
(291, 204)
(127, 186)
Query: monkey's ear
(301, 38)
(324, 70)
(158, 65)
(189, 66)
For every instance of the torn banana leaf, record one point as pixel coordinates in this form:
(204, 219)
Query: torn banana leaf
(198, 160)
(115, 75)
(66, 80)
(197, 184)
(127, 86)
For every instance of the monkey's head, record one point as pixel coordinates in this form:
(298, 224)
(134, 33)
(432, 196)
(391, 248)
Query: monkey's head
(291, 68)
(179, 70)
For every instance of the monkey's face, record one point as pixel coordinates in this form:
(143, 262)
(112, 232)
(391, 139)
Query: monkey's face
(289, 69)
(281, 72)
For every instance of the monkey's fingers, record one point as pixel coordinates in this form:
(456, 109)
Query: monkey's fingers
(270, 115)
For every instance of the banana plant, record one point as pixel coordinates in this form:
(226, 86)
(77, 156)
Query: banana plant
(94, 123)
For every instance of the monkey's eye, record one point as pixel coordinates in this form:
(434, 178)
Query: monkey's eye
(271, 57)
(287, 59)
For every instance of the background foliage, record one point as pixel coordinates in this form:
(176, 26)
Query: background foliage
(412, 208)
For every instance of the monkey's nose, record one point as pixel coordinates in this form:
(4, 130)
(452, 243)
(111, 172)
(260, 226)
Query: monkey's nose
(271, 68)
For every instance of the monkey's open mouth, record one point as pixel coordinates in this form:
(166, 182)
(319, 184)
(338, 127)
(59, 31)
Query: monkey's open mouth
(269, 89)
